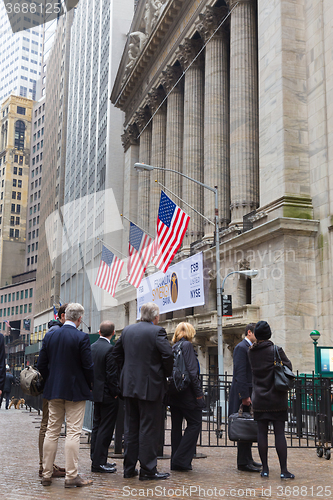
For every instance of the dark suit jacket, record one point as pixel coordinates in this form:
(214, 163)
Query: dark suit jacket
(66, 365)
(241, 387)
(145, 355)
(2, 362)
(106, 384)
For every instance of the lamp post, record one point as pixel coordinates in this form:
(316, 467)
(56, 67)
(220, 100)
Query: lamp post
(219, 289)
(314, 335)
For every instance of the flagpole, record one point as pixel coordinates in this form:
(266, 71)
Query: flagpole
(179, 198)
(111, 248)
(150, 236)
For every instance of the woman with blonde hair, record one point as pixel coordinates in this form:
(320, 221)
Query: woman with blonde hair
(186, 404)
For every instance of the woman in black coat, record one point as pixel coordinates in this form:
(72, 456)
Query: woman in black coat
(269, 405)
(186, 404)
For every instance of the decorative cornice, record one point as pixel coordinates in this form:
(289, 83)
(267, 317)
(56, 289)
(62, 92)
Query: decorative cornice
(188, 51)
(155, 99)
(170, 77)
(129, 137)
(210, 21)
(141, 118)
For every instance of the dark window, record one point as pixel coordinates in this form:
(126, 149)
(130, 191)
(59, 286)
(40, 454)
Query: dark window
(21, 111)
(28, 261)
(18, 196)
(17, 233)
(13, 207)
(12, 220)
(19, 134)
(20, 171)
(14, 182)
(21, 160)
(18, 209)
(11, 233)
(14, 195)
(15, 170)
(17, 221)
(16, 158)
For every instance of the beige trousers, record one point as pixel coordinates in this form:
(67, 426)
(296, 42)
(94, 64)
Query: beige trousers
(74, 412)
(42, 430)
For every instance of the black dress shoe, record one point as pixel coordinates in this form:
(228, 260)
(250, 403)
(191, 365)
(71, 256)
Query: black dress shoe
(248, 468)
(180, 469)
(133, 473)
(103, 468)
(148, 476)
(110, 465)
(256, 464)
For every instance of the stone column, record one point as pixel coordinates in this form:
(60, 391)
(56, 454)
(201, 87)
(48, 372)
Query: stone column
(193, 136)
(141, 118)
(158, 138)
(216, 122)
(244, 131)
(130, 203)
(174, 128)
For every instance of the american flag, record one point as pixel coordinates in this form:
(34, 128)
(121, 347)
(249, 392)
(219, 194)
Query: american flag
(109, 271)
(55, 312)
(140, 249)
(172, 224)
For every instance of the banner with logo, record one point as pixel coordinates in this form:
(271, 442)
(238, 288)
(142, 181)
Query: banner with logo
(180, 287)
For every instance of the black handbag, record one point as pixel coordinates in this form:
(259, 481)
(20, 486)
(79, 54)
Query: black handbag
(284, 379)
(242, 426)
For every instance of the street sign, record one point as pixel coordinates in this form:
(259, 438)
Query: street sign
(226, 305)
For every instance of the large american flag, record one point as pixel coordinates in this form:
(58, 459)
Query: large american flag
(140, 249)
(109, 271)
(172, 224)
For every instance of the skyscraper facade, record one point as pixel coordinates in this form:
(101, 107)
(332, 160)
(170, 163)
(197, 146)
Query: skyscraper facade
(94, 174)
(20, 59)
(15, 122)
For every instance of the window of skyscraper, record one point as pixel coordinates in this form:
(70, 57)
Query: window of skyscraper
(19, 135)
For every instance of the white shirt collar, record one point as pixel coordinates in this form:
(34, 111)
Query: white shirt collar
(70, 323)
(104, 339)
(248, 340)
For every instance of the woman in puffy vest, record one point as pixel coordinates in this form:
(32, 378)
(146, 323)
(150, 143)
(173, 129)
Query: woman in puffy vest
(269, 405)
(186, 404)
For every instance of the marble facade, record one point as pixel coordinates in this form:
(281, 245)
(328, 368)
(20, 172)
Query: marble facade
(246, 87)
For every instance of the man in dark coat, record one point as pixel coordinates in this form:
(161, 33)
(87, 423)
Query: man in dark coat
(10, 379)
(53, 325)
(240, 393)
(66, 365)
(105, 393)
(2, 363)
(146, 358)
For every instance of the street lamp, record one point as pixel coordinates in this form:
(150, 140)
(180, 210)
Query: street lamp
(144, 167)
(314, 335)
(219, 289)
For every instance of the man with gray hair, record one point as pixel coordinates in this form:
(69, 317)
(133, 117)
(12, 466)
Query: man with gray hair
(66, 365)
(145, 356)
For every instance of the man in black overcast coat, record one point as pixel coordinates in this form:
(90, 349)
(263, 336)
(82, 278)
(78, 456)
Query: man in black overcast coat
(2, 363)
(240, 393)
(105, 394)
(146, 358)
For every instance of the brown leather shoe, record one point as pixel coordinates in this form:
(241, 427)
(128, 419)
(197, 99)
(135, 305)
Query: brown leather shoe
(58, 471)
(46, 481)
(77, 482)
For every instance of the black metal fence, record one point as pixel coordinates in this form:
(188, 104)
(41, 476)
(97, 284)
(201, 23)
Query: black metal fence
(309, 423)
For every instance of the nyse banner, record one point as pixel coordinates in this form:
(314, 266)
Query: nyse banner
(180, 287)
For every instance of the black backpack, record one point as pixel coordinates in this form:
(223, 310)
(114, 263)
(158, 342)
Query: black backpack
(180, 379)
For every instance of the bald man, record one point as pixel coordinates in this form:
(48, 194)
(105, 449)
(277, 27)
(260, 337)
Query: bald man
(105, 394)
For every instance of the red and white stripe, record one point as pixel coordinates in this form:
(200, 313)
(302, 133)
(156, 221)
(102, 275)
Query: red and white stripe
(108, 277)
(170, 238)
(138, 261)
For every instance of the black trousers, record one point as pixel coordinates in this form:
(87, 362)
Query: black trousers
(105, 415)
(183, 445)
(244, 453)
(141, 433)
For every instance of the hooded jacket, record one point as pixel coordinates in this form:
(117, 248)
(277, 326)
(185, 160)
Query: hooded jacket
(264, 395)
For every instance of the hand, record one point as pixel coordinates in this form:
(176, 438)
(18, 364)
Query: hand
(246, 401)
(0, 393)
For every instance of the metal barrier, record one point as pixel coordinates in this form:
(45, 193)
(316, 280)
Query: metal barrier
(309, 423)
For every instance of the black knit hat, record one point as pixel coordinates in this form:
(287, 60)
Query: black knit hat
(262, 331)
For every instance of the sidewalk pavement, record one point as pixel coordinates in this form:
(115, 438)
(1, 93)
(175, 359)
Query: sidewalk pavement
(213, 477)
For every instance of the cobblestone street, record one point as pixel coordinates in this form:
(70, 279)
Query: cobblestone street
(212, 477)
